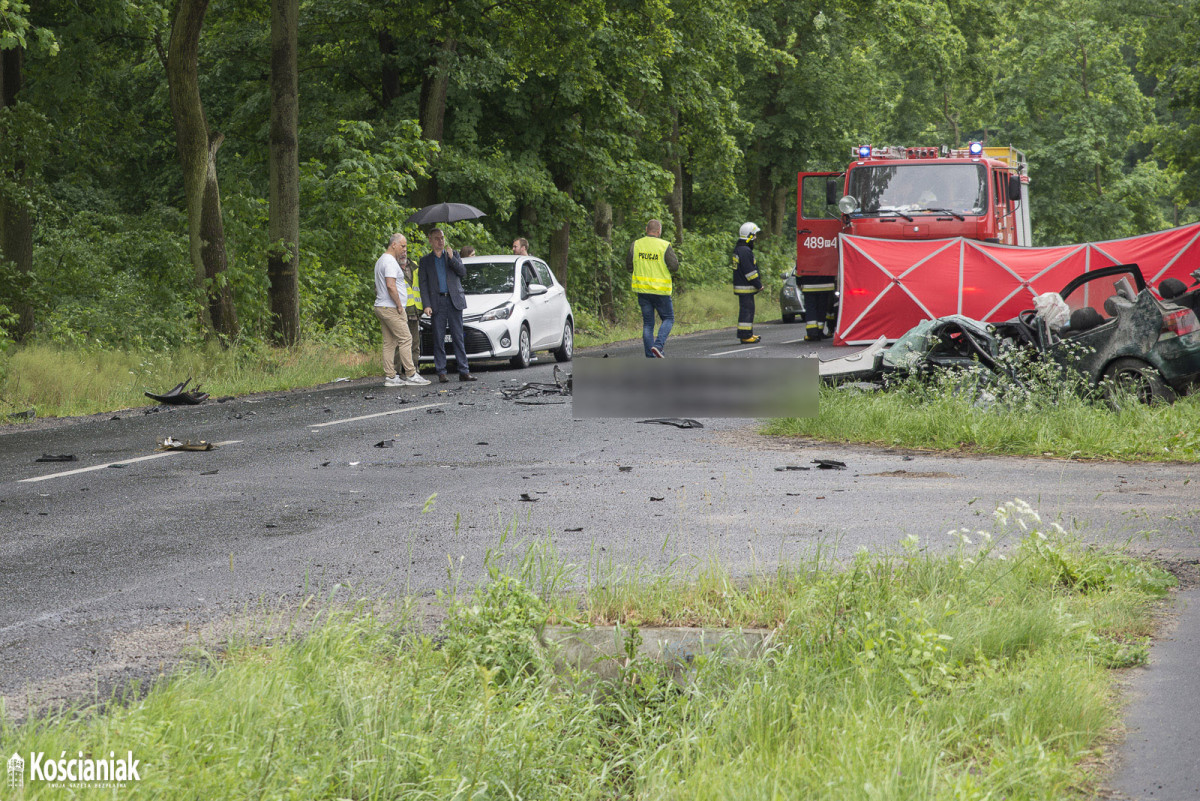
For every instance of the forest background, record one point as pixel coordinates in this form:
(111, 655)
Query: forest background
(178, 172)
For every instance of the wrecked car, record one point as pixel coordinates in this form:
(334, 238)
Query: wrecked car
(1115, 330)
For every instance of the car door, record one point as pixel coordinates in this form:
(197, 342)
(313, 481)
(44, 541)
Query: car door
(818, 224)
(545, 317)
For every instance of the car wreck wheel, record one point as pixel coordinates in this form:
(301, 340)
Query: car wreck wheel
(1138, 378)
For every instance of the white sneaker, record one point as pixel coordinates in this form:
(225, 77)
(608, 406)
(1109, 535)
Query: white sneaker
(395, 381)
(416, 380)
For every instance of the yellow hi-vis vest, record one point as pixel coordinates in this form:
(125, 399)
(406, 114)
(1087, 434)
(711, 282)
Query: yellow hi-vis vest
(414, 295)
(650, 273)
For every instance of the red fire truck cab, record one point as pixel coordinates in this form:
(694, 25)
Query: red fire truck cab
(975, 192)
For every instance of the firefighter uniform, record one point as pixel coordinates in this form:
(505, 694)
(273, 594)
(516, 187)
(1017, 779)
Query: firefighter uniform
(746, 282)
(819, 292)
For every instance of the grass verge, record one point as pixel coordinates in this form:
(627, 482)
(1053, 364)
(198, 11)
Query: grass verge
(1060, 423)
(980, 673)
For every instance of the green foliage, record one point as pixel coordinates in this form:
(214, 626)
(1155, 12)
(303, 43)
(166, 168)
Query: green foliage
(499, 631)
(601, 109)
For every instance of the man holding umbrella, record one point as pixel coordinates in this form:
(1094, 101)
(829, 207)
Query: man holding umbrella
(442, 296)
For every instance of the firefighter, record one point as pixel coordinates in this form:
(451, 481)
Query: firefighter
(820, 294)
(746, 283)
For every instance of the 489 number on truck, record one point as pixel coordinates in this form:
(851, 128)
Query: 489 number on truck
(818, 242)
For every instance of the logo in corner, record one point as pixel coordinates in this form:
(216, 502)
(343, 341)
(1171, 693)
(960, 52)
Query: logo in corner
(16, 771)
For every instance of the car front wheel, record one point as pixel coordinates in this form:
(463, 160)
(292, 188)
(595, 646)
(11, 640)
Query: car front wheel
(565, 351)
(1138, 378)
(524, 353)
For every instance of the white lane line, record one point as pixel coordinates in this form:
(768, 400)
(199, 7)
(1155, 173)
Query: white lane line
(737, 350)
(794, 341)
(119, 461)
(378, 414)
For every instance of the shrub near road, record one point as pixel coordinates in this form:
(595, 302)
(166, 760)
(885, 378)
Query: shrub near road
(985, 673)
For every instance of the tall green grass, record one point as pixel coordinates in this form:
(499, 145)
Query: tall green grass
(943, 416)
(983, 672)
(59, 382)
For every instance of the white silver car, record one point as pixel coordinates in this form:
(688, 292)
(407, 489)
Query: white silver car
(515, 307)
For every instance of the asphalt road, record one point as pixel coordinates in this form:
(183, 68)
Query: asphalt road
(110, 563)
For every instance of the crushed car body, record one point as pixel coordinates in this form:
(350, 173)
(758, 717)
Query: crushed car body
(1105, 323)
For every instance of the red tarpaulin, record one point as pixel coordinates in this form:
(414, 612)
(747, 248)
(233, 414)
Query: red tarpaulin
(890, 285)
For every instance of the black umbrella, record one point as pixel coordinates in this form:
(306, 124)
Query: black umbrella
(445, 213)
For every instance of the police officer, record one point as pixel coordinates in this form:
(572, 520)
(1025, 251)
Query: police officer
(651, 260)
(746, 283)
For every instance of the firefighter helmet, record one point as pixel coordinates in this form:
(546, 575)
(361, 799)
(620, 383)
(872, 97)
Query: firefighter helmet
(748, 231)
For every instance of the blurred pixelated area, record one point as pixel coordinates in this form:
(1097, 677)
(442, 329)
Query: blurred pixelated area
(638, 387)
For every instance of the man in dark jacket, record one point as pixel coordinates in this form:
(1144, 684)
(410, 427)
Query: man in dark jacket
(442, 296)
(746, 283)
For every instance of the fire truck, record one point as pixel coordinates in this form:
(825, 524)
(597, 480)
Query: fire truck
(975, 192)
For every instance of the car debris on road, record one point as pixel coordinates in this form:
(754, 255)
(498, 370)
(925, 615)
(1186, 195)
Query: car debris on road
(178, 396)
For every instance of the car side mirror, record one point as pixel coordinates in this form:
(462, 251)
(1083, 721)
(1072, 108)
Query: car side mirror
(1014, 187)
(831, 192)
(537, 289)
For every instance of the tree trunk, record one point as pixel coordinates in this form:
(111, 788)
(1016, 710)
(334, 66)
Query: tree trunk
(389, 72)
(16, 224)
(283, 261)
(197, 156)
(433, 114)
(560, 241)
(779, 209)
(603, 225)
(675, 199)
(685, 174)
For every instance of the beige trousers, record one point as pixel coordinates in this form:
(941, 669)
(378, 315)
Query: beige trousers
(395, 338)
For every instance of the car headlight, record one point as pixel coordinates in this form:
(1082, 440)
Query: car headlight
(501, 312)
(789, 291)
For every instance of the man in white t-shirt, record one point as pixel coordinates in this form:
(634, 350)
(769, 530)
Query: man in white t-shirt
(391, 296)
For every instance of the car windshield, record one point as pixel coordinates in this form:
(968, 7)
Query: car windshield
(489, 278)
(920, 188)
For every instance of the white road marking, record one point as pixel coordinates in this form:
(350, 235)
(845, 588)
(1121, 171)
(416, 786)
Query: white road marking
(736, 350)
(794, 341)
(119, 461)
(378, 414)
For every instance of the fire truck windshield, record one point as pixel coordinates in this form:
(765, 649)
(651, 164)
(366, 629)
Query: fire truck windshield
(920, 188)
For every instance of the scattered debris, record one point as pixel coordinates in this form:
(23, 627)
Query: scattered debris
(179, 397)
(657, 499)
(169, 443)
(387, 443)
(118, 466)
(562, 386)
(208, 472)
(28, 414)
(573, 529)
(829, 464)
(914, 474)
(787, 467)
(338, 380)
(435, 411)
(525, 496)
(678, 422)
(481, 443)
(624, 469)
(368, 397)
(56, 457)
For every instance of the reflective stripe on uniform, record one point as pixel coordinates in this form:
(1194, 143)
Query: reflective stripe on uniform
(745, 326)
(744, 290)
(752, 275)
(650, 273)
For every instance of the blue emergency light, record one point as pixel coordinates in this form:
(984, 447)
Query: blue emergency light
(864, 151)
(975, 148)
